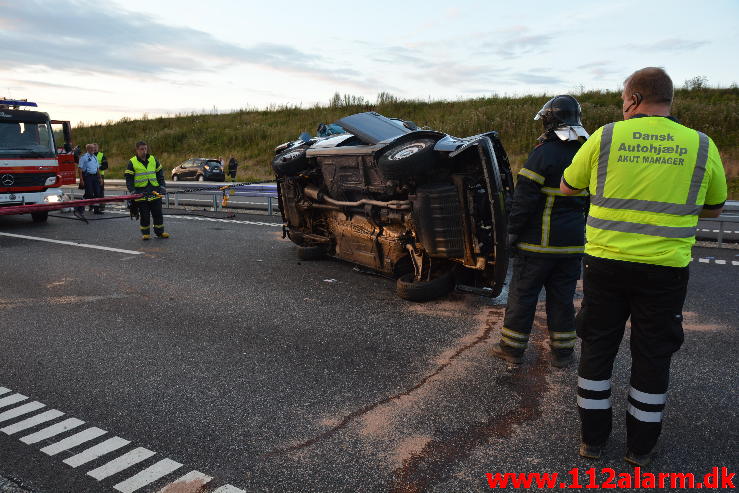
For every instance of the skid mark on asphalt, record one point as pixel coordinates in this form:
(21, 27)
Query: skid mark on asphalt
(131, 461)
(375, 417)
(56, 300)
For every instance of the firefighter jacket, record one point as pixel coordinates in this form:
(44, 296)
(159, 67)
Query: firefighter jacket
(542, 218)
(650, 177)
(102, 161)
(144, 177)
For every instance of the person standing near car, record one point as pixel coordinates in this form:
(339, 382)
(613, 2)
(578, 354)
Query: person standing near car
(651, 179)
(103, 165)
(89, 174)
(546, 233)
(144, 175)
(232, 165)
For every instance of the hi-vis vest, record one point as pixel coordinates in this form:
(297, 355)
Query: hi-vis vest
(143, 175)
(647, 189)
(99, 157)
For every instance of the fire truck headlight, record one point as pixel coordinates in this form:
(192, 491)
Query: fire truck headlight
(52, 198)
(50, 180)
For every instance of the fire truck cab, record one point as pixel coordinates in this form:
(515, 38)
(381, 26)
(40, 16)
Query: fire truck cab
(32, 169)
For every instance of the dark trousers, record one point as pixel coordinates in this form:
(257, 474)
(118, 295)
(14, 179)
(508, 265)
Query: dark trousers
(653, 297)
(153, 208)
(93, 190)
(558, 276)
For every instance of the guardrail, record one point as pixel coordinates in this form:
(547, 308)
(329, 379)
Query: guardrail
(268, 191)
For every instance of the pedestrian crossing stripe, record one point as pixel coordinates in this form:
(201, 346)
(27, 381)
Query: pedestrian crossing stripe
(18, 420)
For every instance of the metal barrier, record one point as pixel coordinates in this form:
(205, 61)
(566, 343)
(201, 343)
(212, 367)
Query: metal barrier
(267, 191)
(720, 232)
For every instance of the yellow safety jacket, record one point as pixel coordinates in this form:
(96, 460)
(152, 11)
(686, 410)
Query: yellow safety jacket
(649, 178)
(145, 175)
(100, 157)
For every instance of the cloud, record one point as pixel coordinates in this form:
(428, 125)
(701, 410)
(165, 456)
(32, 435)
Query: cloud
(599, 68)
(133, 45)
(516, 41)
(35, 83)
(536, 79)
(669, 44)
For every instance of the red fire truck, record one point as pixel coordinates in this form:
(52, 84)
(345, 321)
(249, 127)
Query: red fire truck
(32, 168)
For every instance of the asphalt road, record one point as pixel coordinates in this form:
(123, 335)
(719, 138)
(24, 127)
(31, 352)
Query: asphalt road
(218, 350)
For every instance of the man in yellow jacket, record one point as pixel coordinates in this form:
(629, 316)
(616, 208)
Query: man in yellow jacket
(144, 175)
(650, 179)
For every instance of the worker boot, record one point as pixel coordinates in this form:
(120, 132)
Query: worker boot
(162, 235)
(591, 451)
(146, 236)
(641, 460)
(508, 353)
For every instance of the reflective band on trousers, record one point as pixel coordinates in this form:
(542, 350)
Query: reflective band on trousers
(550, 249)
(645, 416)
(690, 208)
(595, 385)
(640, 396)
(643, 229)
(593, 403)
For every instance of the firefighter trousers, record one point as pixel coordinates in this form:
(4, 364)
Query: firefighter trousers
(558, 276)
(653, 297)
(153, 207)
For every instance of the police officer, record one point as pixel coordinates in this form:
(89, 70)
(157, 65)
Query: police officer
(547, 229)
(89, 174)
(144, 175)
(650, 179)
(103, 162)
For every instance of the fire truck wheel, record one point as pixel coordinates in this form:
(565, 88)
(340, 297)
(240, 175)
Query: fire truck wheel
(40, 217)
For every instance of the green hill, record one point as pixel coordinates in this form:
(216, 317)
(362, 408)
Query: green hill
(251, 135)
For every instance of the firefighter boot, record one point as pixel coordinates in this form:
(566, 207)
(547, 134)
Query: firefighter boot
(641, 460)
(562, 358)
(505, 352)
(145, 233)
(163, 235)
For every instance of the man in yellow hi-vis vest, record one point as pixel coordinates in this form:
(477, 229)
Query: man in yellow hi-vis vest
(650, 179)
(144, 175)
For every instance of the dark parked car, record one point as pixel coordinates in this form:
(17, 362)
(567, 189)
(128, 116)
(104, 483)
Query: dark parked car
(199, 169)
(421, 206)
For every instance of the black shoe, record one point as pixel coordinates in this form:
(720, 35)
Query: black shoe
(642, 460)
(98, 212)
(79, 214)
(591, 451)
(562, 359)
(509, 354)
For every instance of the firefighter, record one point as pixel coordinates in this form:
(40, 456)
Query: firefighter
(103, 162)
(651, 178)
(144, 175)
(546, 232)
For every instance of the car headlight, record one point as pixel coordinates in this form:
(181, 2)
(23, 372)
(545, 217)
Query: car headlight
(52, 199)
(50, 180)
(206, 167)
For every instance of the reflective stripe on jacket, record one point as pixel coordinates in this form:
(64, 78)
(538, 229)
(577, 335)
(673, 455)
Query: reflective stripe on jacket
(144, 175)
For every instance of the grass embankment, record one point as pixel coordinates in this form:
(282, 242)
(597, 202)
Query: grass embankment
(251, 135)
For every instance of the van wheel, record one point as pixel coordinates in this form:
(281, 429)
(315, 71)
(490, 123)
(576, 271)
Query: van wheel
(40, 217)
(409, 289)
(290, 162)
(408, 159)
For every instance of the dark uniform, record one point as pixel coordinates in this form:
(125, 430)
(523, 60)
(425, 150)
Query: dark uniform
(147, 178)
(548, 229)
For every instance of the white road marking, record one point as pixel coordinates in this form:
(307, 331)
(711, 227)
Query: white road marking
(193, 481)
(53, 430)
(217, 220)
(73, 441)
(21, 410)
(228, 489)
(98, 450)
(123, 462)
(32, 421)
(710, 260)
(734, 262)
(148, 475)
(4, 390)
(704, 260)
(721, 262)
(72, 243)
(12, 399)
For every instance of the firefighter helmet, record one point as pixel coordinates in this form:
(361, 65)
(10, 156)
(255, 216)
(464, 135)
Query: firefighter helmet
(561, 114)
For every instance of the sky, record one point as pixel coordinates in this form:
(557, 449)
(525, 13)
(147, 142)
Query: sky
(101, 61)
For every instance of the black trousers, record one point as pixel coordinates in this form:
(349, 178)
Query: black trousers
(153, 208)
(653, 297)
(558, 276)
(93, 190)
